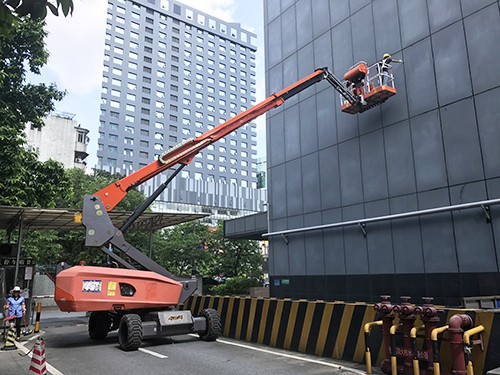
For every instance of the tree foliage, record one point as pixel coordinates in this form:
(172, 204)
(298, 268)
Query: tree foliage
(25, 181)
(13, 11)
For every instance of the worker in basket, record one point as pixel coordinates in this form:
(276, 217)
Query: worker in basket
(384, 66)
(16, 309)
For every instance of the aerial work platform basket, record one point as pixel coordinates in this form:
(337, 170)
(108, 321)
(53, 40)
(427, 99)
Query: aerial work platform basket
(372, 84)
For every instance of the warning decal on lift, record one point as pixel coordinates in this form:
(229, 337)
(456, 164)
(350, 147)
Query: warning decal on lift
(111, 288)
(92, 286)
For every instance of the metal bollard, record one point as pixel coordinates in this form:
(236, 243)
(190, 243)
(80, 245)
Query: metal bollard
(38, 314)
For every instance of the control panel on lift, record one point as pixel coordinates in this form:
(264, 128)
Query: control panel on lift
(373, 85)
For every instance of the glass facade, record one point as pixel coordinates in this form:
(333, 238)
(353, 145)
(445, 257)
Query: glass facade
(172, 73)
(434, 144)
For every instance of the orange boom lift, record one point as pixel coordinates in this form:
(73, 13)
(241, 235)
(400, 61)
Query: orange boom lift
(138, 298)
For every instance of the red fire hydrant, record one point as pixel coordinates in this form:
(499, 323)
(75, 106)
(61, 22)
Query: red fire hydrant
(407, 318)
(429, 315)
(458, 323)
(385, 309)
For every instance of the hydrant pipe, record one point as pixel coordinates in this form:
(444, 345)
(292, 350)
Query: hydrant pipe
(458, 323)
(468, 349)
(435, 350)
(394, 360)
(368, 354)
(413, 335)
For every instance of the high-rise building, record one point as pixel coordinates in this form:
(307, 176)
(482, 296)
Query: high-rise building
(433, 146)
(61, 139)
(172, 73)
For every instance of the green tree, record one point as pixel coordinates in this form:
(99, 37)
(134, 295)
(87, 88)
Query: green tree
(232, 258)
(13, 11)
(25, 181)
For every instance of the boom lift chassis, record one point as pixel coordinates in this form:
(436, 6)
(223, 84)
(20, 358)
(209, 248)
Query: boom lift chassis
(141, 303)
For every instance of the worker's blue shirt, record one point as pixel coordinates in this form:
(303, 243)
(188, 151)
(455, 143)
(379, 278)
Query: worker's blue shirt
(15, 306)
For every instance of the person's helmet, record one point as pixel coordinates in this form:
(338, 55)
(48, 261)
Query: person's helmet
(386, 55)
(16, 289)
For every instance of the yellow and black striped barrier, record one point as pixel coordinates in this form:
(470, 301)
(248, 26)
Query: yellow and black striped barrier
(38, 316)
(330, 329)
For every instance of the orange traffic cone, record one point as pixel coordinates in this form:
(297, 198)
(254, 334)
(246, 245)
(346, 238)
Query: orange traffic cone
(38, 359)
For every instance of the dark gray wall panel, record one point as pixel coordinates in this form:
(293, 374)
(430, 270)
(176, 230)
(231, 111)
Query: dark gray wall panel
(273, 9)
(358, 4)
(493, 187)
(482, 45)
(275, 82)
(304, 22)
(408, 255)
(323, 51)
(274, 44)
(329, 177)
(370, 121)
(442, 13)
(420, 80)
(285, 4)
(413, 20)
(469, 6)
(351, 187)
(339, 11)
(321, 17)
(356, 255)
(362, 38)
(296, 247)
(311, 183)
(290, 76)
(276, 133)
(294, 187)
(309, 126)
(488, 119)
(428, 151)
(289, 43)
(450, 62)
(306, 67)
(342, 48)
(278, 193)
(379, 239)
(386, 23)
(461, 143)
(292, 132)
(398, 153)
(333, 243)
(315, 260)
(347, 125)
(396, 108)
(373, 166)
(325, 113)
(280, 257)
(438, 239)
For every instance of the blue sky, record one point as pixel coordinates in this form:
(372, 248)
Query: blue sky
(76, 48)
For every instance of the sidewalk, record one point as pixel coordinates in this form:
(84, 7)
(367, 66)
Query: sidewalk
(11, 363)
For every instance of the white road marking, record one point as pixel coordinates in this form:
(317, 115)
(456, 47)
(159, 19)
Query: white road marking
(49, 367)
(158, 355)
(329, 364)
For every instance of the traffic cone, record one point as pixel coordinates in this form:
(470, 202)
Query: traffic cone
(37, 365)
(10, 341)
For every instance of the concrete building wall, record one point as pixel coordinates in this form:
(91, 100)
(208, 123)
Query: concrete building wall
(60, 139)
(434, 144)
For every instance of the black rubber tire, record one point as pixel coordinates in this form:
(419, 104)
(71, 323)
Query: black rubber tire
(130, 332)
(99, 325)
(214, 325)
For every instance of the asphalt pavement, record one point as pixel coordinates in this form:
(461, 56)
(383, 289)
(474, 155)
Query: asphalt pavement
(70, 351)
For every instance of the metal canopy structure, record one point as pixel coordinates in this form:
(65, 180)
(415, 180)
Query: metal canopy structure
(64, 219)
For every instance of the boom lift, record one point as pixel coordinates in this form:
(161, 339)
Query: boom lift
(139, 302)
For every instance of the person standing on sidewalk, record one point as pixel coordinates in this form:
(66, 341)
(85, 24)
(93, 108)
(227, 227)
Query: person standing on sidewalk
(17, 307)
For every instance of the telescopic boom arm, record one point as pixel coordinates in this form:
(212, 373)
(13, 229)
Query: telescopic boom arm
(185, 152)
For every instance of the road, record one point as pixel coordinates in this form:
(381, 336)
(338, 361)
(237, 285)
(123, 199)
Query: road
(69, 350)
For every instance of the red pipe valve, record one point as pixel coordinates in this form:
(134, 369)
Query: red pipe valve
(384, 307)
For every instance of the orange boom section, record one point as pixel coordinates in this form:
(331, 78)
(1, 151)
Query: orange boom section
(83, 288)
